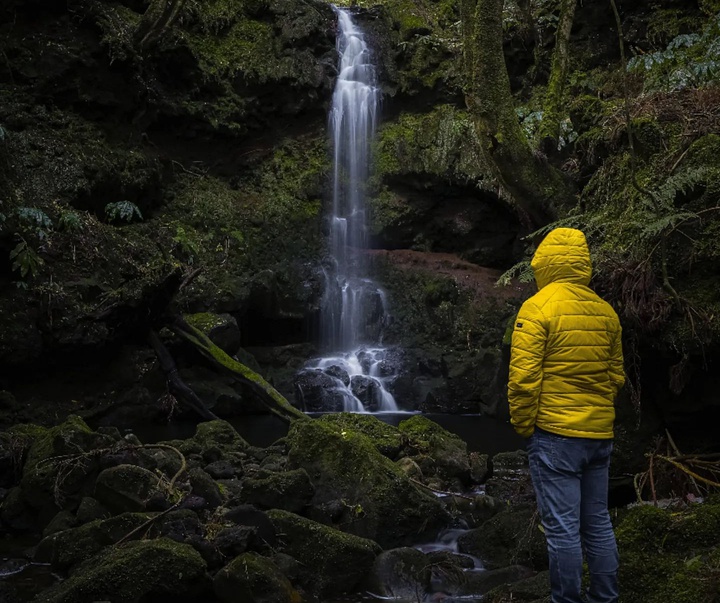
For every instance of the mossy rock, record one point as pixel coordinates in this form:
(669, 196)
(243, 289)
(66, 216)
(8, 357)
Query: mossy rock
(334, 562)
(359, 489)
(43, 485)
(438, 451)
(15, 443)
(66, 549)
(288, 490)
(142, 570)
(512, 536)
(386, 438)
(221, 329)
(126, 488)
(219, 435)
(252, 578)
(669, 555)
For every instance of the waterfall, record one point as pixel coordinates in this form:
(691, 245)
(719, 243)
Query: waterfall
(352, 124)
(353, 308)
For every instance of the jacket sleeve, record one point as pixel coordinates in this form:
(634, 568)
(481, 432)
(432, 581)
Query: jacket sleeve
(526, 372)
(617, 371)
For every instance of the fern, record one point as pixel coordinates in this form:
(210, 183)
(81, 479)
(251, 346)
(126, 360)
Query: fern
(70, 221)
(522, 271)
(122, 210)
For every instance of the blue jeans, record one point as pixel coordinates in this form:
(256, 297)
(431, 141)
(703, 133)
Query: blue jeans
(570, 476)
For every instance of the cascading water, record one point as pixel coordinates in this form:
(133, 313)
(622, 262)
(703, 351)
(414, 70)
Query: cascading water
(353, 311)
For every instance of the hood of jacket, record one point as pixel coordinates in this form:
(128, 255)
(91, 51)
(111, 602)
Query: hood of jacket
(562, 257)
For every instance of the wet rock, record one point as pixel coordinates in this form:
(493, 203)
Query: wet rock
(402, 573)
(481, 582)
(251, 577)
(535, 588)
(204, 485)
(442, 454)
(317, 391)
(368, 391)
(141, 570)
(90, 509)
(180, 525)
(333, 562)
(512, 536)
(221, 470)
(235, 540)
(358, 488)
(247, 515)
(479, 467)
(64, 520)
(289, 490)
(339, 373)
(126, 488)
(510, 478)
(410, 468)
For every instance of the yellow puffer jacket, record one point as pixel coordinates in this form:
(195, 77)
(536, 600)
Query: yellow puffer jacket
(566, 364)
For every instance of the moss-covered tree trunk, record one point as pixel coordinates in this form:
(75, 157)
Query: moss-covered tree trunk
(158, 17)
(534, 185)
(553, 113)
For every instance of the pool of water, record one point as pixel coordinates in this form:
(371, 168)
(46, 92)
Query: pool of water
(481, 433)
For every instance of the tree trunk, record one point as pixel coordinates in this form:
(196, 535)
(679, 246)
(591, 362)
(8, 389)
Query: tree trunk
(553, 113)
(535, 187)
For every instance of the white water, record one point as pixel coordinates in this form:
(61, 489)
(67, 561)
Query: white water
(353, 310)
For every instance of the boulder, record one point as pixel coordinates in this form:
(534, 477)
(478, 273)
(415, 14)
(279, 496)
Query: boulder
(289, 490)
(333, 562)
(385, 438)
(253, 579)
(48, 486)
(513, 536)
(205, 486)
(359, 489)
(510, 478)
(438, 452)
(317, 391)
(368, 390)
(126, 488)
(402, 573)
(144, 570)
(70, 547)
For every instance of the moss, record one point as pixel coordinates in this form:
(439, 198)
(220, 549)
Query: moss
(336, 562)
(669, 556)
(384, 437)
(205, 321)
(377, 501)
(251, 577)
(144, 569)
(439, 142)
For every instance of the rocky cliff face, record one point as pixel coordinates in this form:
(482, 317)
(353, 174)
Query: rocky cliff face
(149, 157)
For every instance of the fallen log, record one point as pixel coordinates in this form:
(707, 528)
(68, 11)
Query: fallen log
(272, 399)
(176, 386)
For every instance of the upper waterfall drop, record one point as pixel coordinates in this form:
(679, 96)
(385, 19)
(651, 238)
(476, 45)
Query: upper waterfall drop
(352, 298)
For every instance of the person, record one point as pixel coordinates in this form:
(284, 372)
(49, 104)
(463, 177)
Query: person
(566, 367)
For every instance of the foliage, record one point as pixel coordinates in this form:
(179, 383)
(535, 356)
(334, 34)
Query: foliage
(35, 219)
(689, 61)
(124, 211)
(70, 221)
(25, 259)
